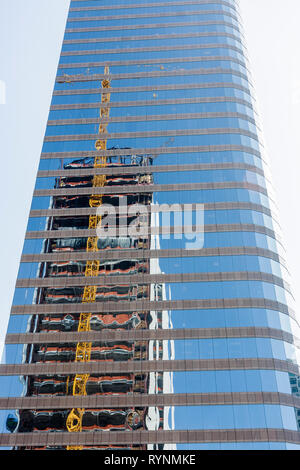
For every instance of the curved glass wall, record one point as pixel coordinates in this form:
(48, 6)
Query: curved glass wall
(153, 250)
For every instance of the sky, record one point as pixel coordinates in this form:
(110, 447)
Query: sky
(31, 34)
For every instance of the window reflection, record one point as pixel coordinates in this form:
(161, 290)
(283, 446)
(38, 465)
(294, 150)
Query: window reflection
(103, 419)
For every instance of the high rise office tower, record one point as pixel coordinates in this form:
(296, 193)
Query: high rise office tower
(152, 298)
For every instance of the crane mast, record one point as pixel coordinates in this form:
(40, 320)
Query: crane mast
(83, 349)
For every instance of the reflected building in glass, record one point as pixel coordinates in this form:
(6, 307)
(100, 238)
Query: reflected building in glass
(153, 297)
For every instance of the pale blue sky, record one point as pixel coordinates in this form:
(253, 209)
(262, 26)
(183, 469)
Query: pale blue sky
(31, 33)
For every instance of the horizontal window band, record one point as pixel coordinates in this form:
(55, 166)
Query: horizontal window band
(153, 26)
(146, 49)
(166, 133)
(146, 279)
(155, 37)
(185, 47)
(66, 78)
(149, 189)
(149, 254)
(53, 234)
(86, 211)
(150, 117)
(134, 135)
(96, 77)
(146, 367)
(118, 438)
(135, 170)
(154, 209)
(124, 104)
(178, 86)
(149, 5)
(86, 76)
(150, 15)
(152, 151)
(148, 400)
(149, 335)
(146, 170)
(145, 305)
(72, 27)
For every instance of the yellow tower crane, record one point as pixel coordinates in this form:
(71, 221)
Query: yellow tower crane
(83, 349)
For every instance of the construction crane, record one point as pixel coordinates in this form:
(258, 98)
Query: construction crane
(83, 349)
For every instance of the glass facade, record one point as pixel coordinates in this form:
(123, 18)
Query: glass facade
(153, 295)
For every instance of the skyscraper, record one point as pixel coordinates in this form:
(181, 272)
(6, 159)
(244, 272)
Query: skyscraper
(152, 298)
